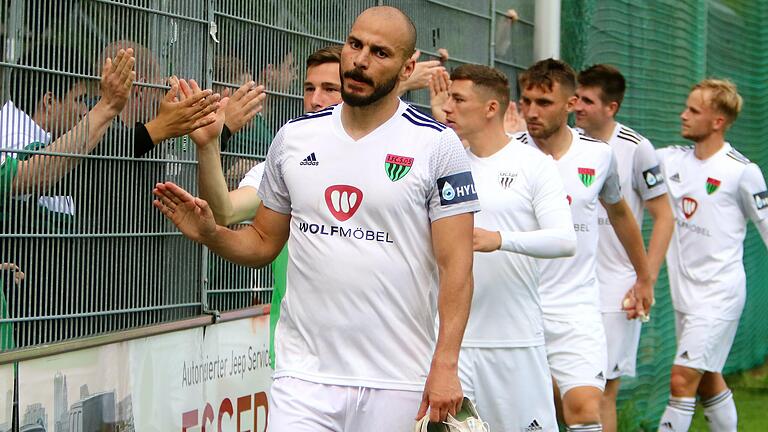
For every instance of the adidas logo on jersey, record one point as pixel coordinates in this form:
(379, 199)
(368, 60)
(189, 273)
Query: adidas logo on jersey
(310, 160)
(616, 368)
(533, 427)
(675, 177)
(684, 355)
(667, 426)
(600, 375)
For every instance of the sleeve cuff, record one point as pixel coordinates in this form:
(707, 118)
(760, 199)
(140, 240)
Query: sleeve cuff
(142, 141)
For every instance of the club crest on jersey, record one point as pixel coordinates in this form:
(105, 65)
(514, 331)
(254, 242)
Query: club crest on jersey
(587, 176)
(712, 185)
(397, 167)
(653, 177)
(761, 200)
(456, 188)
(506, 179)
(689, 207)
(343, 201)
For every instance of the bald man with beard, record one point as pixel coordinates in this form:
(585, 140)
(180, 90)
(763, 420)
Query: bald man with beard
(376, 201)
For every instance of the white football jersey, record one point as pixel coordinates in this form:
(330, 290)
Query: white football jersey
(568, 286)
(518, 187)
(711, 200)
(641, 180)
(253, 176)
(361, 292)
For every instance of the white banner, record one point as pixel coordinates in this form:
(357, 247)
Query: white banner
(212, 379)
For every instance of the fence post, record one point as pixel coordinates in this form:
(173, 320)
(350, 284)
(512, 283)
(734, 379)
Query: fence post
(492, 51)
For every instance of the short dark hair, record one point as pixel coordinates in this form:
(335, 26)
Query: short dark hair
(546, 73)
(608, 79)
(44, 68)
(487, 77)
(329, 54)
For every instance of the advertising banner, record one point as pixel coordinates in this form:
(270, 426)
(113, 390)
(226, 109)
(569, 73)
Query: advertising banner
(204, 379)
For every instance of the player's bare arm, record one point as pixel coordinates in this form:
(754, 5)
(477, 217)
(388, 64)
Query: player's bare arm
(452, 245)
(255, 245)
(626, 229)
(227, 208)
(663, 225)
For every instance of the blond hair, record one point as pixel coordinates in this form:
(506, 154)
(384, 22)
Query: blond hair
(723, 97)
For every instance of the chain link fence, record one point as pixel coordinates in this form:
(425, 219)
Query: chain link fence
(96, 256)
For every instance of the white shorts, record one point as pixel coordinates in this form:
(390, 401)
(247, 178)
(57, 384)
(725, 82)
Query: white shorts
(703, 343)
(511, 387)
(301, 406)
(576, 351)
(623, 338)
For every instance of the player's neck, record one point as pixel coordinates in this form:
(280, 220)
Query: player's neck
(708, 146)
(488, 141)
(604, 132)
(557, 144)
(359, 121)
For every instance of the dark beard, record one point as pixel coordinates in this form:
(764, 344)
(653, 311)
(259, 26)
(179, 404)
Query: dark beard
(379, 91)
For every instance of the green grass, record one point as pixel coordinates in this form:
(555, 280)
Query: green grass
(750, 391)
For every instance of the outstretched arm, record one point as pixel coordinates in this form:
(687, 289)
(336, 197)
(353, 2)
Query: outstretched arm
(42, 171)
(452, 245)
(255, 245)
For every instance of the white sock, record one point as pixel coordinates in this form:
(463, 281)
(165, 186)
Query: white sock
(720, 412)
(678, 414)
(593, 427)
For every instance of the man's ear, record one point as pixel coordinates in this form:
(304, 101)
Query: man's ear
(408, 67)
(570, 105)
(492, 108)
(720, 123)
(613, 108)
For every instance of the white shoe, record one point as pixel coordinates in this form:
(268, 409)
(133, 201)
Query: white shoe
(466, 420)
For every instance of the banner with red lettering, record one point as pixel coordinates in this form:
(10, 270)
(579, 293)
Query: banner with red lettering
(213, 379)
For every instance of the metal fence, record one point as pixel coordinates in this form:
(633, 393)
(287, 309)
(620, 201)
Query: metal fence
(96, 256)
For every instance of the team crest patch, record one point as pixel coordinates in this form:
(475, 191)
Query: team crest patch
(689, 207)
(712, 185)
(506, 179)
(397, 167)
(587, 176)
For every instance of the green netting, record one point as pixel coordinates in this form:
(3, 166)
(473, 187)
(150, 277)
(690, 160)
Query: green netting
(663, 47)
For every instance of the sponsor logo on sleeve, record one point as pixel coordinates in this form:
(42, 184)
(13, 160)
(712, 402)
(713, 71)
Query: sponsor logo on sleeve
(343, 201)
(456, 188)
(653, 177)
(761, 200)
(397, 167)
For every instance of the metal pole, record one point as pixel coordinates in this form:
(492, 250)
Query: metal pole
(546, 31)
